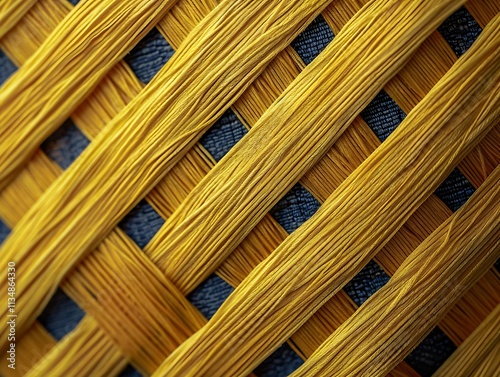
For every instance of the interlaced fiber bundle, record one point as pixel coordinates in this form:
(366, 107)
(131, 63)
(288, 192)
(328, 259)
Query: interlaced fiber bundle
(241, 187)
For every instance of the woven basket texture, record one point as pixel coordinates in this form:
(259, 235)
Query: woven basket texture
(66, 316)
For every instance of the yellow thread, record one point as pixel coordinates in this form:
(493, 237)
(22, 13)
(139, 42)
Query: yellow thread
(356, 220)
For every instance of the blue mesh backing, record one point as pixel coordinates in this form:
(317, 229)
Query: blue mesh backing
(4, 232)
(460, 31)
(7, 68)
(61, 315)
(210, 295)
(142, 223)
(431, 353)
(455, 190)
(149, 56)
(383, 115)
(313, 40)
(223, 135)
(65, 145)
(130, 371)
(295, 208)
(368, 281)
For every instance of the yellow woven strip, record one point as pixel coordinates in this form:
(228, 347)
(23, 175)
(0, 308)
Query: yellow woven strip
(429, 64)
(230, 261)
(490, 366)
(69, 64)
(398, 316)
(360, 216)
(481, 9)
(484, 341)
(353, 147)
(113, 93)
(11, 11)
(116, 284)
(31, 348)
(86, 351)
(30, 32)
(291, 136)
(147, 138)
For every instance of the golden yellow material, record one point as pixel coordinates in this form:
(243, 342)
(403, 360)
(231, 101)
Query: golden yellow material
(357, 219)
(113, 283)
(480, 353)
(291, 136)
(11, 11)
(146, 139)
(86, 351)
(392, 322)
(31, 348)
(73, 59)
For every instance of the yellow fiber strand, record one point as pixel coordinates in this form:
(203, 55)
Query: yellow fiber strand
(473, 353)
(31, 348)
(146, 139)
(399, 315)
(364, 212)
(11, 11)
(117, 284)
(86, 351)
(245, 258)
(291, 136)
(69, 64)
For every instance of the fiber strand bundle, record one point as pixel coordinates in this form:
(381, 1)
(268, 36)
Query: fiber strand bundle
(333, 162)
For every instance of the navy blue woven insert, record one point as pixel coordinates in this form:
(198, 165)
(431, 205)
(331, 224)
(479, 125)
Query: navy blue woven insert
(142, 223)
(313, 40)
(61, 315)
(7, 68)
(149, 56)
(130, 371)
(4, 232)
(368, 281)
(223, 135)
(65, 144)
(383, 115)
(455, 190)
(431, 353)
(460, 30)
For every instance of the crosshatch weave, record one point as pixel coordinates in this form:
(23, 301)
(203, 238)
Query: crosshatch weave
(62, 316)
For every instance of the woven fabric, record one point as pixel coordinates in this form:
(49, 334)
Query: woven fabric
(383, 116)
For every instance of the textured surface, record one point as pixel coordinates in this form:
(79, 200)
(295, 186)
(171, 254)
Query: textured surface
(383, 115)
(61, 315)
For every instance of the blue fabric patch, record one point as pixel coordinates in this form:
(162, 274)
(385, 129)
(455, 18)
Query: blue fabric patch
(210, 295)
(368, 281)
(497, 265)
(7, 68)
(281, 363)
(460, 30)
(65, 145)
(313, 40)
(142, 223)
(130, 371)
(431, 353)
(223, 135)
(74, 2)
(4, 232)
(61, 315)
(383, 115)
(455, 190)
(296, 207)
(149, 56)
